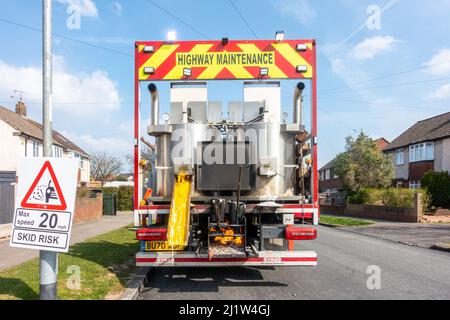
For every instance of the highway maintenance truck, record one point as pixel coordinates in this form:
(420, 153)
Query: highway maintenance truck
(233, 183)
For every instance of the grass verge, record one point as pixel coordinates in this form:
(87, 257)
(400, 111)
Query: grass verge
(103, 264)
(343, 222)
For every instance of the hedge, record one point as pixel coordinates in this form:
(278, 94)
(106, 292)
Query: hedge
(124, 196)
(438, 186)
(394, 197)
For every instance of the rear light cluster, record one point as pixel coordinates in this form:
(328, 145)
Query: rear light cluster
(151, 234)
(299, 233)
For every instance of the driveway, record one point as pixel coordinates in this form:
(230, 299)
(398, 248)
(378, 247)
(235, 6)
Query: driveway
(422, 235)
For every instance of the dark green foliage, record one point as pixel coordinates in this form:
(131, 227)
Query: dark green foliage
(362, 165)
(438, 186)
(124, 195)
(388, 197)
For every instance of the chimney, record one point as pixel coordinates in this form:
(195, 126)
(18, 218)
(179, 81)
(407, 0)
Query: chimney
(21, 108)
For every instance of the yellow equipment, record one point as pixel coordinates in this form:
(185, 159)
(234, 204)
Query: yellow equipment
(178, 228)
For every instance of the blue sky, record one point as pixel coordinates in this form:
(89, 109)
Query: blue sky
(386, 75)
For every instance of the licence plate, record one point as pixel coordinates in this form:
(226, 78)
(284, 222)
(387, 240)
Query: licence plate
(161, 246)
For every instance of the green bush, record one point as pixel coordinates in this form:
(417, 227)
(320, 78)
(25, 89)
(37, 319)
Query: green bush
(438, 186)
(388, 197)
(364, 196)
(124, 196)
(398, 197)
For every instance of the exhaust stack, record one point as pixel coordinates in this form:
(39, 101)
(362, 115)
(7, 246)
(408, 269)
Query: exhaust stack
(155, 103)
(298, 103)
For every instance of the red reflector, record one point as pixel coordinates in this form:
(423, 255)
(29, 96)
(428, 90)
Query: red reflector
(298, 233)
(151, 234)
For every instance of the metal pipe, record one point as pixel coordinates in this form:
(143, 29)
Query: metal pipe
(48, 262)
(298, 102)
(155, 103)
(164, 171)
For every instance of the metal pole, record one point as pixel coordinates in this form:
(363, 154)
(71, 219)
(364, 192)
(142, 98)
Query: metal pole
(48, 263)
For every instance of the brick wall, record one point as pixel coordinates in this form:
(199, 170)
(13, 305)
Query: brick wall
(334, 183)
(88, 209)
(378, 212)
(418, 169)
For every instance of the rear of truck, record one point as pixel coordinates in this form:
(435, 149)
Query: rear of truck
(233, 190)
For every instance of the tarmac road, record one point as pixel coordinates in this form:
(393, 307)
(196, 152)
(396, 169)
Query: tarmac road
(344, 257)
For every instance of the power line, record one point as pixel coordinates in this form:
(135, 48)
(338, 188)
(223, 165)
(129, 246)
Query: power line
(243, 19)
(178, 19)
(328, 113)
(385, 76)
(66, 38)
(397, 84)
(385, 104)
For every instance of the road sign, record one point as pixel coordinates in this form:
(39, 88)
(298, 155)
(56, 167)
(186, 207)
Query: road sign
(45, 203)
(233, 60)
(43, 195)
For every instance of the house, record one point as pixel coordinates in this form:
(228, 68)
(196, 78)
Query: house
(329, 182)
(129, 177)
(22, 136)
(423, 147)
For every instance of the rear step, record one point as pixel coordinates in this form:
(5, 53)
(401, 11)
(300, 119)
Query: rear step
(263, 258)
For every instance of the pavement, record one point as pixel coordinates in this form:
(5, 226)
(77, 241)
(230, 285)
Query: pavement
(11, 257)
(345, 257)
(417, 234)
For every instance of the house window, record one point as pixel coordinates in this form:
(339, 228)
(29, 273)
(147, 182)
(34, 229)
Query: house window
(327, 174)
(399, 157)
(57, 152)
(421, 152)
(414, 184)
(322, 175)
(335, 176)
(77, 156)
(35, 149)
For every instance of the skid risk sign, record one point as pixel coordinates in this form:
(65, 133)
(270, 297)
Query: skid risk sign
(43, 195)
(45, 204)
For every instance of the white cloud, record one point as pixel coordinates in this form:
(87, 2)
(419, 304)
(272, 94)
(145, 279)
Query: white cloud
(86, 8)
(370, 47)
(83, 95)
(439, 65)
(116, 7)
(298, 9)
(337, 65)
(442, 92)
(113, 144)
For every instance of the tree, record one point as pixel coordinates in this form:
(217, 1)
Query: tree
(105, 167)
(438, 185)
(363, 165)
(147, 154)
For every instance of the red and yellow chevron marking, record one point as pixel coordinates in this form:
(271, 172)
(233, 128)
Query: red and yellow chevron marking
(237, 60)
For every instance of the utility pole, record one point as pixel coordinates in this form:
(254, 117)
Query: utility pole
(48, 264)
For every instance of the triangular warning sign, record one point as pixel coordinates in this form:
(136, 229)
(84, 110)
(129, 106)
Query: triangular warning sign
(45, 192)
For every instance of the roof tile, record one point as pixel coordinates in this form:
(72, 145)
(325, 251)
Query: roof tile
(33, 129)
(434, 128)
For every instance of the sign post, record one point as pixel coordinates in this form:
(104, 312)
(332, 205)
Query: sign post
(48, 263)
(44, 212)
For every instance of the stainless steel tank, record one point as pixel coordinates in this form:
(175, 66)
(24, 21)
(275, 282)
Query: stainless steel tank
(272, 150)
